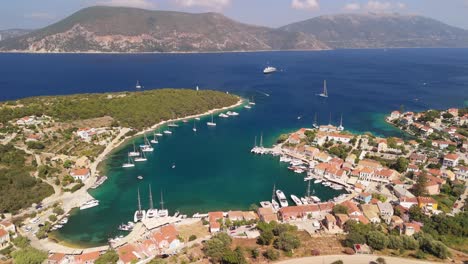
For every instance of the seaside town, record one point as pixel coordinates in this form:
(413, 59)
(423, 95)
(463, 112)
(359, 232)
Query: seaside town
(393, 191)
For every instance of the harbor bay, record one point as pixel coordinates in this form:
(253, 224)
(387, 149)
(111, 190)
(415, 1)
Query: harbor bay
(214, 169)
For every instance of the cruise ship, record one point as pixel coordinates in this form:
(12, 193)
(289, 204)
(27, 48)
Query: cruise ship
(89, 204)
(282, 198)
(269, 70)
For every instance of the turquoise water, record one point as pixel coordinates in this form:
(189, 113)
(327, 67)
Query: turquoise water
(214, 168)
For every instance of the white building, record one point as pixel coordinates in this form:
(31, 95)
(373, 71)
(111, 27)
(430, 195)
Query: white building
(80, 174)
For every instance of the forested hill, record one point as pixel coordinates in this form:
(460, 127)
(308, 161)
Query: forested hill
(129, 109)
(18, 189)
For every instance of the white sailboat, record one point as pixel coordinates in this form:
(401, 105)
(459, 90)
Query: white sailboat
(212, 123)
(129, 163)
(325, 91)
(296, 200)
(274, 203)
(135, 152)
(154, 140)
(252, 102)
(167, 132)
(163, 212)
(138, 85)
(341, 127)
(152, 212)
(315, 124)
(159, 134)
(147, 146)
(141, 158)
(194, 126)
(139, 214)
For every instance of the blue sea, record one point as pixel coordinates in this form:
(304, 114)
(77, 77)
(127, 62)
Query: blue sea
(214, 168)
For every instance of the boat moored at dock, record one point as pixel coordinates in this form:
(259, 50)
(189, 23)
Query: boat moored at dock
(296, 200)
(282, 198)
(89, 204)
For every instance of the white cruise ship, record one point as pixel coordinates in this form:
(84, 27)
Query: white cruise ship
(269, 69)
(89, 204)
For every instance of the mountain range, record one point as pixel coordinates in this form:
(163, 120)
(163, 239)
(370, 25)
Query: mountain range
(122, 29)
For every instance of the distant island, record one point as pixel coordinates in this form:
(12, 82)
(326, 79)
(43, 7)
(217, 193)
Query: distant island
(125, 30)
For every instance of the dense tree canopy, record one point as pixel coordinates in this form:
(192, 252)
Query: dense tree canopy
(130, 109)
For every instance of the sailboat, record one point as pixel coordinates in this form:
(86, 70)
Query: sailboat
(158, 134)
(138, 85)
(172, 124)
(147, 146)
(315, 124)
(139, 214)
(247, 106)
(325, 92)
(194, 126)
(154, 140)
(141, 158)
(135, 152)
(152, 212)
(274, 203)
(129, 163)
(341, 127)
(212, 123)
(163, 212)
(252, 102)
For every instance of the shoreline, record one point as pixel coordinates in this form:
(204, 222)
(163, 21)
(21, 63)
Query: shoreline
(56, 241)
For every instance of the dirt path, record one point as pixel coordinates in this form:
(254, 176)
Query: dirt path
(354, 259)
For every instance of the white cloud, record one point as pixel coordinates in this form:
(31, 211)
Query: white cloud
(40, 15)
(129, 3)
(378, 6)
(352, 7)
(305, 4)
(401, 5)
(212, 4)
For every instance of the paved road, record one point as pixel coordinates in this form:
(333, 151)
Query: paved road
(354, 259)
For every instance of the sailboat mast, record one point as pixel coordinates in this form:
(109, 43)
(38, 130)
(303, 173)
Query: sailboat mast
(255, 141)
(261, 140)
(315, 119)
(325, 92)
(139, 202)
(273, 194)
(150, 198)
(308, 189)
(162, 201)
(341, 120)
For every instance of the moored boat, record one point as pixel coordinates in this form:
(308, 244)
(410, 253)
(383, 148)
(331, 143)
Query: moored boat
(296, 199)
(282, 198)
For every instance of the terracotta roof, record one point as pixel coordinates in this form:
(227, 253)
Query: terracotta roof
(451, 156)
(330, 218)
(414, 226)
(77, 172)
(360, 218)
(126, 253)
(213, 216)
(409, 199)
(235, 215)
(425, 200)
(3, 232)
(57, 257)
(6, 223)
(342, 217)
(87, 257)
(352, 207)
(385, 173)
(367, 170)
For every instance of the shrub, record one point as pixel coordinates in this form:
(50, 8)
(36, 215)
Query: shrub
(287, 242)
(272, 254)
(192, 238)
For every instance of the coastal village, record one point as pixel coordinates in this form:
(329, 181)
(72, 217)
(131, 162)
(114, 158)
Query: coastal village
(381, 179)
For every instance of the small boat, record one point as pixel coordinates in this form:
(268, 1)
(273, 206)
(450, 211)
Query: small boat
(124, 227)
(185, 121)
(318, 181)
(194, 126)
(247, 106)
(265, 204)
(296, 200)
(230, 113)
(173, 165)
(162, 212)
(341, 127)
(172, 124)
(63, 221)
(315, 199)
(138, 85)
(275, 205)
(89, 204)
(212, 123)
(223, 115)
(167, 132)
(299, 117)
(308, 178)
(325, 92)
(282, 198)
(269, 70)
(140, 177)
(328, 184)
(159, 134)
(304, 200)
(252, 101)
(129, 163)
(197, 118)
(315, 124)
(147, 146)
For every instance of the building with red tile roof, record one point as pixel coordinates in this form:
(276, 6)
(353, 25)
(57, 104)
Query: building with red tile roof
(56, 258)
(127, 254)
(353, 209)
(87, 258)
(267, 214)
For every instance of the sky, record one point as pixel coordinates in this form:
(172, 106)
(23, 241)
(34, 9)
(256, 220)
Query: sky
(34, 14)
